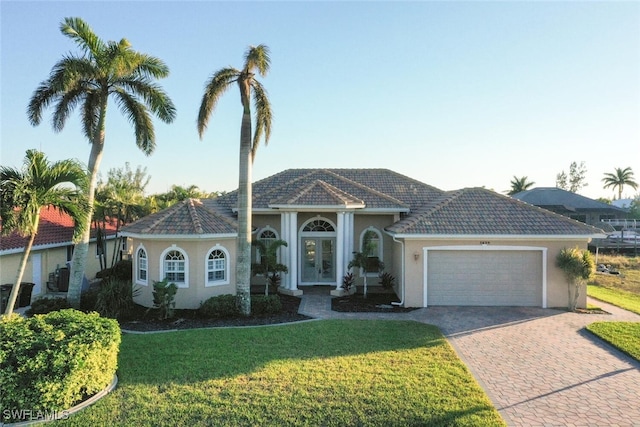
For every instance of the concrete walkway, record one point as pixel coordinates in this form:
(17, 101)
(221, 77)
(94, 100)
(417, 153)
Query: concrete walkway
(538, 366)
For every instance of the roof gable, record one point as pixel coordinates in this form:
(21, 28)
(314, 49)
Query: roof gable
(477, 211)
(318, 193)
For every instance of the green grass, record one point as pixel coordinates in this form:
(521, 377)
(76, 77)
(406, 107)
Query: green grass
(621, 298)
(622, 335)
(325, 373)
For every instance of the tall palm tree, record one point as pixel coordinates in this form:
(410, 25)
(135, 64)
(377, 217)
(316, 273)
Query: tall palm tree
(23, 193)
(519, 184)
(619, 179)
(257, 59)
(103, 70)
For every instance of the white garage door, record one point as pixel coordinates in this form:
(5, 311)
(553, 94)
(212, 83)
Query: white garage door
(483, 278)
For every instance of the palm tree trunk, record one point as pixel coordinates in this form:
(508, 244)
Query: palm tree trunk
(79, 259)
(13, 296)
(243, 258)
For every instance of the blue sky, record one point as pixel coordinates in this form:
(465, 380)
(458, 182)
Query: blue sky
(455, 94)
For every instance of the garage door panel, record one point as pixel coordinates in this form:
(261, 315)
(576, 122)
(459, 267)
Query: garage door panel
(484, 278)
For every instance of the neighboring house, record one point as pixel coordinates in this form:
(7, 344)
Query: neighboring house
(52, 250)
(572, 205)
(466, 247)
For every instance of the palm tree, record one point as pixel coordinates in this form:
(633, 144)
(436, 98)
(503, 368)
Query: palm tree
(103, 70)
(619, 179)
(257, 59)
(519, 184)
(23, 193)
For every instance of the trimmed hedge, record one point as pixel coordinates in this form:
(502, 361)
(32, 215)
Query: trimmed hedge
(224, 306)
(45, 305)
(265, 304)
(51, 362)
(219, 307)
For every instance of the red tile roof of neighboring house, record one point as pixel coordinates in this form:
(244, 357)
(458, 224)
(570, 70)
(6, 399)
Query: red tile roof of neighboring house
(56, 228)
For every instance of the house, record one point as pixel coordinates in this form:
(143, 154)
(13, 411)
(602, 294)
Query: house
(573, 205)
(51, 252)
(465, 247)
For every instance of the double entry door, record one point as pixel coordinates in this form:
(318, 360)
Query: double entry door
(318, 260)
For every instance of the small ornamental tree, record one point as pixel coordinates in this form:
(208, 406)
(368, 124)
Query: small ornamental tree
(269, 265)
(577, 266)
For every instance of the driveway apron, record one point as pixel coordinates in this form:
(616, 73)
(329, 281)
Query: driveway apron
(540, 367)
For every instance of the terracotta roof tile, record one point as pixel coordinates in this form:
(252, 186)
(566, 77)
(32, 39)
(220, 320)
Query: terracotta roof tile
(55, 228)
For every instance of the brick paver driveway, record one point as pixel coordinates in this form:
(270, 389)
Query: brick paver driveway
(540, 367)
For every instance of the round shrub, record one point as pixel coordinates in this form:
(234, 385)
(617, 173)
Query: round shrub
(51, 362)
(219, 307)
(265, 304)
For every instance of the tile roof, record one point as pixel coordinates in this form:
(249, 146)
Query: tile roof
(425, 210)
(377, 188)
(551, 196)
(317, 193)
(55, 228)
(477, 211)
(188, 217)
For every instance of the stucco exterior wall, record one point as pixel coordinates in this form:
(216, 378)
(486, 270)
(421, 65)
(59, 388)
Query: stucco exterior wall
(50, 260)
(196, 289)
(557, 295)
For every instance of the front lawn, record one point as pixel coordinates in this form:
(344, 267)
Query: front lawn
(622, 335)
(622, 290)
(321, 373)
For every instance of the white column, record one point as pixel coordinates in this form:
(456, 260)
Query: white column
(284, 251)
(293, 250)
(348, 236)
(340, 248)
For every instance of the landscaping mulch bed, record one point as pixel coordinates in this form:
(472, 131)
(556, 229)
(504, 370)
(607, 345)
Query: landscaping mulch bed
(143, 320)
(373, 303)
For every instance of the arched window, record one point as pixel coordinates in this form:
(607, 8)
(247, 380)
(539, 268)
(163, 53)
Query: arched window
(174, 267)
(217, 267)
(267, 236)
(142, 267)
(371, 246)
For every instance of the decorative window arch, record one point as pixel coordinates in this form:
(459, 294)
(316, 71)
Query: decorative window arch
(142, 266)
(371, 246)
(318, 225)
(174, 266)
(217, 266)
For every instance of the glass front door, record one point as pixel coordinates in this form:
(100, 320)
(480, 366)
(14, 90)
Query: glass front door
(319, 259)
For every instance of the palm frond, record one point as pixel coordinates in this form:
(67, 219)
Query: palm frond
(150, 66)
(152, 94)
(139, 117)
(257, 58)
(263, 114)
(215, 87)
(80, 32)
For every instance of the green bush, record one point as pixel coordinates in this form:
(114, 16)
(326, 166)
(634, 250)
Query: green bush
(121, 270)
(265, 304)
(219, 307)
(115, 298)
(51, 362)
(47, 305)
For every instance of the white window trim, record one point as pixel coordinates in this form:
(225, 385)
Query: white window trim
(184, 284)
(136, 267)
(227, 263)
(380, 248)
